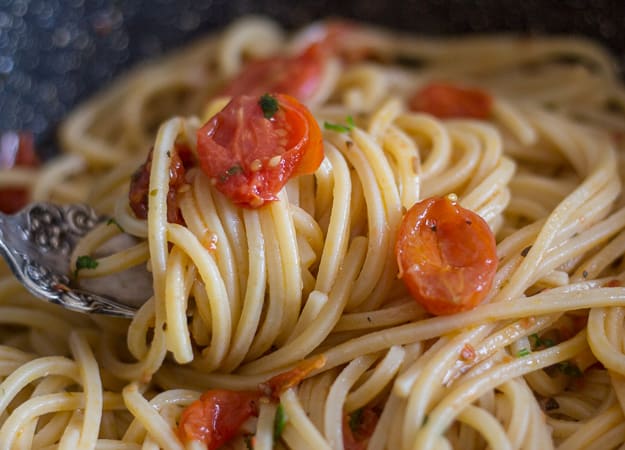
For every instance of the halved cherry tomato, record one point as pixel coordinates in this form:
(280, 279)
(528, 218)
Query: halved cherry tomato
(217, 416)
(447, 255)
(448, 101)
(16, 150)
(181, 158)
(250, 157)
(298, 76)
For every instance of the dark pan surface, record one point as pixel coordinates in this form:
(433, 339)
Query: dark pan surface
(54, 53)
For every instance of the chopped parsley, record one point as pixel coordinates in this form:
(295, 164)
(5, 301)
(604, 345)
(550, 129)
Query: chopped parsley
(355, 420)
(249, 441)
(569, 369)
(339, 128)
(538, 342)
(269, 105)
(153, 192)
(279, 422)
(523, 352)
(230, 172)
(112, 221)
(85, 262)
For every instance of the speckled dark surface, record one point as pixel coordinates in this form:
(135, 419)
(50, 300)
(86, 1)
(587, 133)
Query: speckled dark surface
(55, 52)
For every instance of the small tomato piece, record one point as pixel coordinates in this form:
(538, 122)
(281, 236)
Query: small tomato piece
(181, 158)
(447, 255)
(446, 101)
(250, 157)
(298, 76)
(276, 385)
(217, 416)
(357, 430)
(16, 150)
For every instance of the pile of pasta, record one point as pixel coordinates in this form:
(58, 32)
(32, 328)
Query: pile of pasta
(243, 294)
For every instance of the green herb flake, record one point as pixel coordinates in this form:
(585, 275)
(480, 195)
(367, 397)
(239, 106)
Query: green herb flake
(249, 441)
(85, 262)
(279, 422)
(538, 342)
(153, 192)
(523, 352)
(269, 105)
(112, 221)
(230, 172)
(569, 369)
(355, 419)
(339, 128)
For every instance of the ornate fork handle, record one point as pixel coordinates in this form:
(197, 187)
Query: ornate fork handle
(37, 243)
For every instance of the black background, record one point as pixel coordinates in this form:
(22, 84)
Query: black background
(53, 53)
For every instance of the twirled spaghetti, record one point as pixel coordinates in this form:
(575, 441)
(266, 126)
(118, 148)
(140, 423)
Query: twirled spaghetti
(243, 294)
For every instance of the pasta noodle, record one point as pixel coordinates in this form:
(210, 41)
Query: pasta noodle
(242, 294)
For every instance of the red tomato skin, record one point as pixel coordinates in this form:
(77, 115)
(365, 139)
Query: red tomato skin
(140, 185)
(14, 199)
(298, 76)
(217, 416)
(249, 158)
(276, 385)
(447, 256)
(447, 101)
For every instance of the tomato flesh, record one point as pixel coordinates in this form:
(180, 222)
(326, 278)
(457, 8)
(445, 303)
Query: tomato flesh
(298, 76)
(276, 385)
(447, 256)
(138, 193)
(447, 101)
(250, 157)
(16, 150)
(217, 416)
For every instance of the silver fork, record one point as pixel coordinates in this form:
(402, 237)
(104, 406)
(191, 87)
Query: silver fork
(37, 243)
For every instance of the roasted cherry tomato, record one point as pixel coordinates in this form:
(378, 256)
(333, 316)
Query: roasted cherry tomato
(447, 255)
(250, 151)
(181, 158)
(448, 101)
(217, 416)
(16, 150)
(298, 76)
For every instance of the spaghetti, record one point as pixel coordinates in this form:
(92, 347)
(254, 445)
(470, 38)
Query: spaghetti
(244, 294)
